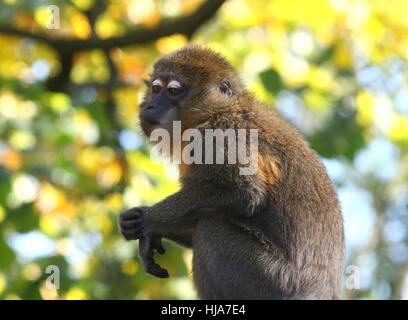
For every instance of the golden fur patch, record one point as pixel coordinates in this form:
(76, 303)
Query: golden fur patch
(268, 169)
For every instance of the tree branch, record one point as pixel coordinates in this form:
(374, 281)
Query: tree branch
(94, 12)
(185, 25)
(66, 48)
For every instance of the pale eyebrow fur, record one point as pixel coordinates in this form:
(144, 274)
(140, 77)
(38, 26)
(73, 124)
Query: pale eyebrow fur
(174, 84)
(157, 82)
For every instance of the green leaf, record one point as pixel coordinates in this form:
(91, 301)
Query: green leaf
(341, 136)
(7, 255)
(271, 80)
(23, 218)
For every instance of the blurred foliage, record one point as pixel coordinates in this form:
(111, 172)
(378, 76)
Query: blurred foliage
(72, 159)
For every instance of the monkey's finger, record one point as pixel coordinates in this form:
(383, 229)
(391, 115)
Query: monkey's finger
(132, 234)
(159, 247)
(155, 270)
(130, 214)
(146, 256)
(137, 228)
(146, 252)
(156, 243)
(130, 224)
(148, 263)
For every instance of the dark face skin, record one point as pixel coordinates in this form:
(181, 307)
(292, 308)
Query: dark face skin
(166, 95)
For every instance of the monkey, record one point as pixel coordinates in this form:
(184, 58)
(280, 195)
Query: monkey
(274, 234)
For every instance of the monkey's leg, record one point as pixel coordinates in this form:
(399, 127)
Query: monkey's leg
(231, 264)
(205, 284)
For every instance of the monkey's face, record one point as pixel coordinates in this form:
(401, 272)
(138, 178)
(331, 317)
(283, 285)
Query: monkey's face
(187, 85)
(165, 96)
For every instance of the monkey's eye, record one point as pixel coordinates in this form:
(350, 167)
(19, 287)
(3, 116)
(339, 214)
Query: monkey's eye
(225, 88)
(156, 88)
(174, 91)
(174, 88)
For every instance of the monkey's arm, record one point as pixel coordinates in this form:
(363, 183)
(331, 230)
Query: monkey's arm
(175, 217)
(170, 218)
(179, 212)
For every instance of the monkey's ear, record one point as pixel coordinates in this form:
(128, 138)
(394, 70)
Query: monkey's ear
(226, 87)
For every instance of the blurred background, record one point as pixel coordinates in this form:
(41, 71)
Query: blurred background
(72, 155)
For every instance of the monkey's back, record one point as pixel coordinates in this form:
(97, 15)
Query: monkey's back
(293, 243)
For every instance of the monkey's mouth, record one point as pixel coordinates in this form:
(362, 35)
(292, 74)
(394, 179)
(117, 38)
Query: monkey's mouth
(149, 122)
(149, 126)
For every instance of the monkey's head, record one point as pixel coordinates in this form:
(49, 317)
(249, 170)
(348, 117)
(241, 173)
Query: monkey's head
(188, 85)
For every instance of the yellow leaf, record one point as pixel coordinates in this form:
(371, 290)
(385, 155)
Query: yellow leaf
(52, 201)
(320, 78)
(48, 293)
(110, 174)
(3, 282)
(144, 12)
(81, 26)
(364, 103)
(169, 44)
(107, 27)
(11, 159)
(49, 225)
(2, 214)
(43, 15)
(76, 294)
(115, 202)
(32, 271)
(83, 4)
(130, 267)
(399, 131)
(315, 101)
(59, 102)
(342, 56)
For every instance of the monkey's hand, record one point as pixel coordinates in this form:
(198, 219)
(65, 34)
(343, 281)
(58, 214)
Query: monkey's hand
(131, 224)
(132, 227)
